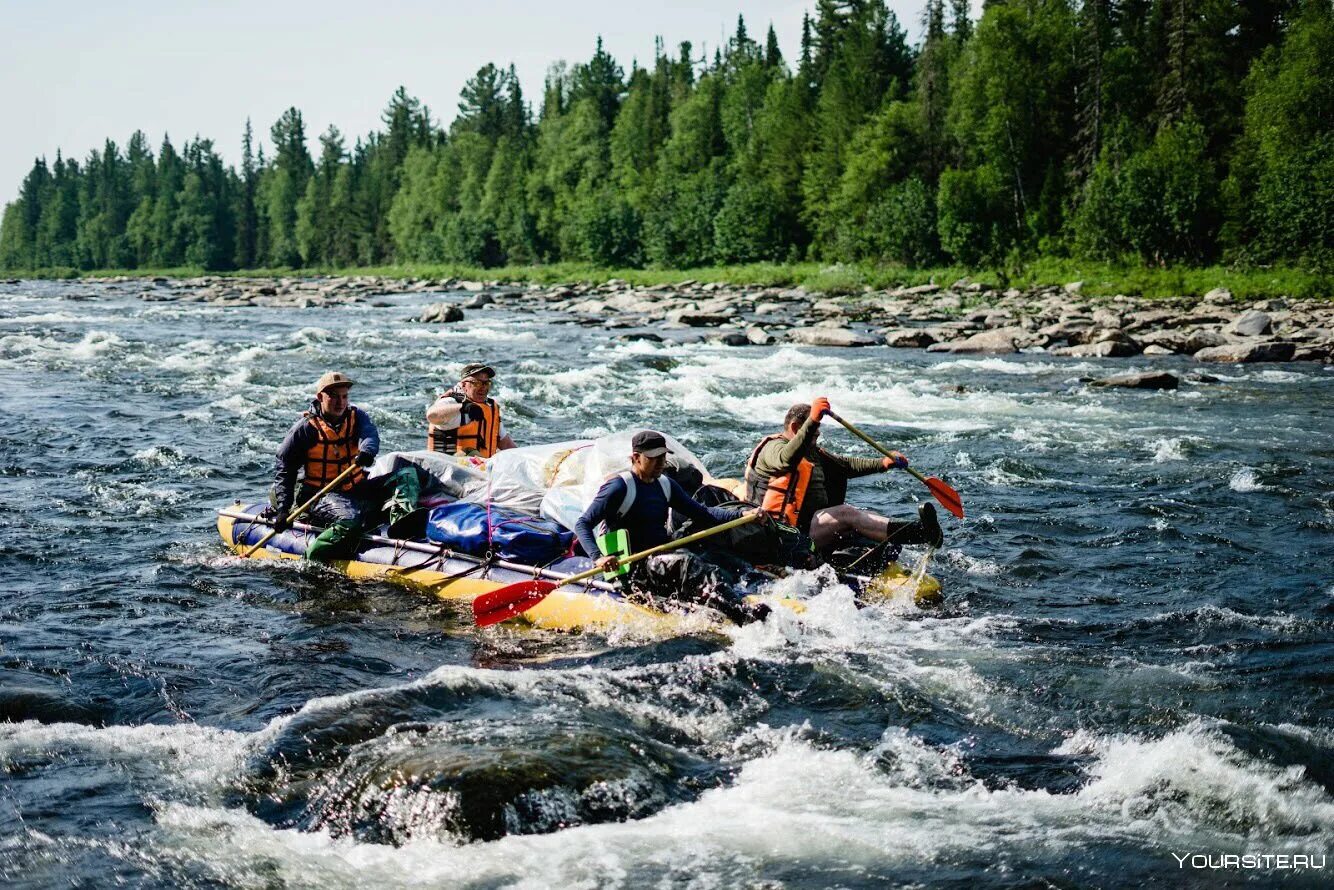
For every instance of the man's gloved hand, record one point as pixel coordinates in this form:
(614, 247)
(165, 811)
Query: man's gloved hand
(764, 519)
(276, 518)
(471, 412)
(819, 408)
(896, 460)
(364, 459)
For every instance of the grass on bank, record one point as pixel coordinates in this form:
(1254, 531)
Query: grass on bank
(1099, 279)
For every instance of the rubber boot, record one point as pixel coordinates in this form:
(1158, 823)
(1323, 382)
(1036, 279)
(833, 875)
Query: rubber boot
(334, 542)
(931, 532)
(406, 488)
(926, 530)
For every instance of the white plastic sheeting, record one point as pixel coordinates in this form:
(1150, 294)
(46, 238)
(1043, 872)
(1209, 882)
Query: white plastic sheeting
(566, 476)
(556, 481)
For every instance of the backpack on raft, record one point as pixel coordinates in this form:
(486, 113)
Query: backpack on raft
(511, 536)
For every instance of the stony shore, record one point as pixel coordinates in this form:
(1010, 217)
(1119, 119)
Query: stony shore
(965, 317)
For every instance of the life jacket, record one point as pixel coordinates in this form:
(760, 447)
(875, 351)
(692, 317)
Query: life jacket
(631, 492)
(334, 451)
(481, 436)
(782, 494)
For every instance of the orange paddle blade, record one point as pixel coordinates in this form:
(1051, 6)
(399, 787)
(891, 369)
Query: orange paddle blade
(507, 602)
(948, 497)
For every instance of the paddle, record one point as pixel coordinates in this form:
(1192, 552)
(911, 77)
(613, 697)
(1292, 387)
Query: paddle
(498, 605)
(948, 497)
(296, 514)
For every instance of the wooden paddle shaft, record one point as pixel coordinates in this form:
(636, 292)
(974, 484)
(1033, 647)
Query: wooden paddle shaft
(670, 545)
(296, 514)
(876, 445)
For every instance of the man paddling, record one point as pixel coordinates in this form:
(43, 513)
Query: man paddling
(331, 436)
(638, 501)
(798, 483)
(466, 420)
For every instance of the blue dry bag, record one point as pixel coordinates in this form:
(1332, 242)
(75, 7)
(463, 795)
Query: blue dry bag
(463, 527)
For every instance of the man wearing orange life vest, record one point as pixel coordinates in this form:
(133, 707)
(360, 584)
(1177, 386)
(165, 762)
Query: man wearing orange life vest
(466, 420)
(801, 484)
(331, 436)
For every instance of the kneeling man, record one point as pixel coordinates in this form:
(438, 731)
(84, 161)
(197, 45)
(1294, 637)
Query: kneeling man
(798, 483)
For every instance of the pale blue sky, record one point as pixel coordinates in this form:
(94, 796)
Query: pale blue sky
(73, 73)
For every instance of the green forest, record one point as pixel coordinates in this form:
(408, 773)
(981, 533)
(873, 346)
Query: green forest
(1155, 133)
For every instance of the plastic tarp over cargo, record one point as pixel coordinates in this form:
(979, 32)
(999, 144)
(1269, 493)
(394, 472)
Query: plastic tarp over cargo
(442, 473)
(559, 481)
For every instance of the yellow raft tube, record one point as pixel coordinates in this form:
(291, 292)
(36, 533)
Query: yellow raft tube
(451, 576)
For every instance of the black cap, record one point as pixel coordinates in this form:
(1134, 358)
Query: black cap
(472, 370)
(649, 443)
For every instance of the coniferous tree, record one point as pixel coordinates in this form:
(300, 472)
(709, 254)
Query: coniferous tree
(247, 217)
(284, 185)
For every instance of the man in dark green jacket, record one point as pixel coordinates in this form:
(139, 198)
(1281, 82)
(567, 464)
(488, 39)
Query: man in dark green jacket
(801, 484)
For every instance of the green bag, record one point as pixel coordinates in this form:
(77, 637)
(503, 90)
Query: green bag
(615, 543)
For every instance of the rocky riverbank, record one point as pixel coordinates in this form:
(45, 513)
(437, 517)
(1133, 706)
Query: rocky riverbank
(964, 317)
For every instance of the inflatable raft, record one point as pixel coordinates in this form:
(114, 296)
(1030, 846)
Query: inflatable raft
(504, 506)
(448, 575)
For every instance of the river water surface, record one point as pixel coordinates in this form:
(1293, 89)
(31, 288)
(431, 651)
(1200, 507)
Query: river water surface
(1133, 663)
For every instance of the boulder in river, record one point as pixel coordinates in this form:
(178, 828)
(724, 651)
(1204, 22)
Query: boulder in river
(1202, 339)
(822, 336)
(994, 342)
(909, 338)
(759, 336)
(1146, 380)
(1251, 323)
(441, 313)
(1248, 352)
(696, 319)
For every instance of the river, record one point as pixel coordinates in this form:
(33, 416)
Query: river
(1132, 664)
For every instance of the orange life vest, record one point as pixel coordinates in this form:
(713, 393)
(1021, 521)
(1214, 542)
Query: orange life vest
(782, 494)
(481, 436)
(335, 450)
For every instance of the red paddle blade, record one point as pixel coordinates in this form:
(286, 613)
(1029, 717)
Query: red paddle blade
(499, 605)
(948, 497)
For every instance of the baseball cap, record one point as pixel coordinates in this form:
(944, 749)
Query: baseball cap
(472, 370)
(332, 378)
(649, 443)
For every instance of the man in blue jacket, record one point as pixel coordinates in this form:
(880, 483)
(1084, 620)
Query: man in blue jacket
(638, 501)
(332, 435)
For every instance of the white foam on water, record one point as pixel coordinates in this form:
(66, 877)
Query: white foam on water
(45, 318)
(118, 497)
(1169, 449)
(1244, 481)
(184, 756)
(1196, 777)
(463, 332)
(799, 807)
(312, 336)
(1221, 615)
(1271, 375)
(958, 560)
(1016, 368)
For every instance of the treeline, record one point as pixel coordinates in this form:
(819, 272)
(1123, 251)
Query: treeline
(1153, 131)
